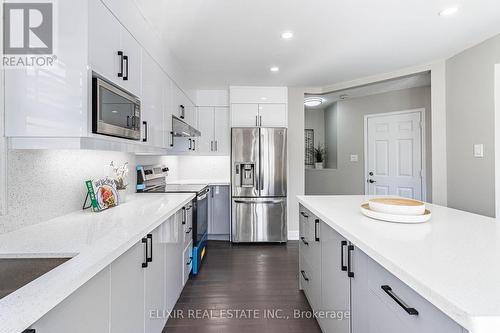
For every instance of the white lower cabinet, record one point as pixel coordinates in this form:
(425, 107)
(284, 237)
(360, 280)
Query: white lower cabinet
(89, 305)
(219, 212)
(135, 292)
(340, 281)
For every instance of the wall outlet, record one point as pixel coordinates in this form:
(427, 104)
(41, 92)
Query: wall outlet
(354, 158)
(478, 150)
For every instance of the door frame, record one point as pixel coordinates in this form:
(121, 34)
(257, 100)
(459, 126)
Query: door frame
(422, 144)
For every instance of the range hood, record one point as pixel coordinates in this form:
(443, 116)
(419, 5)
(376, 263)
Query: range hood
(182, 129)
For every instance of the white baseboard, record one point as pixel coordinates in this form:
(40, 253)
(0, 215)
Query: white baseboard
(293, 235)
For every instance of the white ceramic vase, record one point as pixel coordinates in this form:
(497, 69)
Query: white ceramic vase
(122, 194)
(318, 165)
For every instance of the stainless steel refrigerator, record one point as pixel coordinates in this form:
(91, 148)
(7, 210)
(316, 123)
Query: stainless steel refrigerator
(258, 182)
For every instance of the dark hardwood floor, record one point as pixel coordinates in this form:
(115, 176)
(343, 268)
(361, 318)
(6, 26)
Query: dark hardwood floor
(238, 286)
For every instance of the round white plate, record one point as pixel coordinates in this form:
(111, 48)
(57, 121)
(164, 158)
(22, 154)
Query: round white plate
(365, 209)
(397, 206)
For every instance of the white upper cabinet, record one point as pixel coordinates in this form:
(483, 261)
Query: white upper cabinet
(273, 115)
(131, 62)
(244, 115)
(215, 131)
(259, 106)
(52, 101)
(261, 95)
(206, 127)
(153, 103)
(222, 131)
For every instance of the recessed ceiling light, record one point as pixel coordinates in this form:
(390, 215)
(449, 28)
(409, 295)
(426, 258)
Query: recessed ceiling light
(313, 101)
(274, 69)
(287, 35)
(449, 11)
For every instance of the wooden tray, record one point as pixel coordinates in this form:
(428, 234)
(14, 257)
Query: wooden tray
(410, 219)
(397, 206)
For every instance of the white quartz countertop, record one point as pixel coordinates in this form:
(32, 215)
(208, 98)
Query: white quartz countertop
(453, 260)
(203, 181)
(94, 240)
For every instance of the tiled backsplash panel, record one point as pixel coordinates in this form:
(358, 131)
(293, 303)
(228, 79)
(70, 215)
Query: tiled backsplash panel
(43, 184)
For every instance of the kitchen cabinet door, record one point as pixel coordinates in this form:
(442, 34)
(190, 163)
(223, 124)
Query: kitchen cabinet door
(127, 291)
(222, 131)
(249, 94)
(52, 101)
(104, 41)
(155, 285)
(187, 260)
(167, 109)
(132, 71)
(89, 304)
(152, 103)
(244, 115)
(336, 285)
(220, 212)
(174, 259)
(206, 144)
(273, 115)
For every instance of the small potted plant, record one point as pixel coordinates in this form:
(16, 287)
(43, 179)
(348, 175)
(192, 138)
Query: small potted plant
(120, 174)
(319, 156)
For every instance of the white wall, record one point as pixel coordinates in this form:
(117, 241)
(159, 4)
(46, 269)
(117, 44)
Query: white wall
(470, 83)
(349, 176)
(44, 184)
(295, 157)
(315, 120)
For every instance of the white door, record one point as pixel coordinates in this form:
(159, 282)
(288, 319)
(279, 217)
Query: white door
(272, 115)
(206, 127)
(222, 131)
(394, 155)
(244, 115)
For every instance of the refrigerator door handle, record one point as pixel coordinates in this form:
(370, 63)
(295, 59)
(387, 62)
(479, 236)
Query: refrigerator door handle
(259, 202)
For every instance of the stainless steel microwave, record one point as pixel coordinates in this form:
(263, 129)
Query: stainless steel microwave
(115, 112)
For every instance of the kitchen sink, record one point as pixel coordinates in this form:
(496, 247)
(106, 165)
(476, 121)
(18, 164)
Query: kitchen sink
(15, 273)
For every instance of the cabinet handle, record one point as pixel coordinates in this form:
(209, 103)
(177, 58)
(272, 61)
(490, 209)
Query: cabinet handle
(316, 233)
(128, 124)
(303, 239)
(184, 215)
(190, 261)
(216, 145)
(304, 215)
(350, 273)
(257, 121)
(172, 139)
(304, 276)
(388, 291)
(145, 242)
(145, 123)
(211, 146)
(150, 258)
(342, 266)
(194, 144)
(125, 59)
(29, 330)
(182, 111)
(190, 144)
(120, 54)
(260, 121)
(189, 230)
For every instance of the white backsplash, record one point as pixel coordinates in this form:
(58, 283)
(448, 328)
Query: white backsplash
(43, 184)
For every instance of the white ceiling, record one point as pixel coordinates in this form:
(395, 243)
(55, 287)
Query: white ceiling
(222, 42)
(414, 81)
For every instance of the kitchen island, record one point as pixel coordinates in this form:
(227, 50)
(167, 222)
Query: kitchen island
(451, 262)
(99, 245)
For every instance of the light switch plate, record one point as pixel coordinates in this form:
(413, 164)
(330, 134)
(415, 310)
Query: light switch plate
(354, 158)
(478, 150)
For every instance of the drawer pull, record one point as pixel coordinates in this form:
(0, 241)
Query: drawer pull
(304, 241)
(342, 266)
(189, 230)
(190, 261)
(388, 291)
(304, 276)
(316, 226)
(304, 214)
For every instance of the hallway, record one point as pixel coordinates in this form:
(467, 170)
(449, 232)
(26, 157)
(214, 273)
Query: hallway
(239, 288)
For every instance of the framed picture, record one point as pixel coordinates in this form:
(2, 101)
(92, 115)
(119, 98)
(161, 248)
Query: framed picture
(309, 147)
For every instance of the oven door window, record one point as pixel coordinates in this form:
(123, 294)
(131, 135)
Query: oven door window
(201, 218)
(116, 110)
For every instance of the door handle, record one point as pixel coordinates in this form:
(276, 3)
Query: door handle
(144, 241)
(125, 77)
(342, 266)
(350, 273)
(388, 290)
(120, 54)
(145, 123)
(316, 234)
(258, 202)
(371, 181)
(150, 238)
